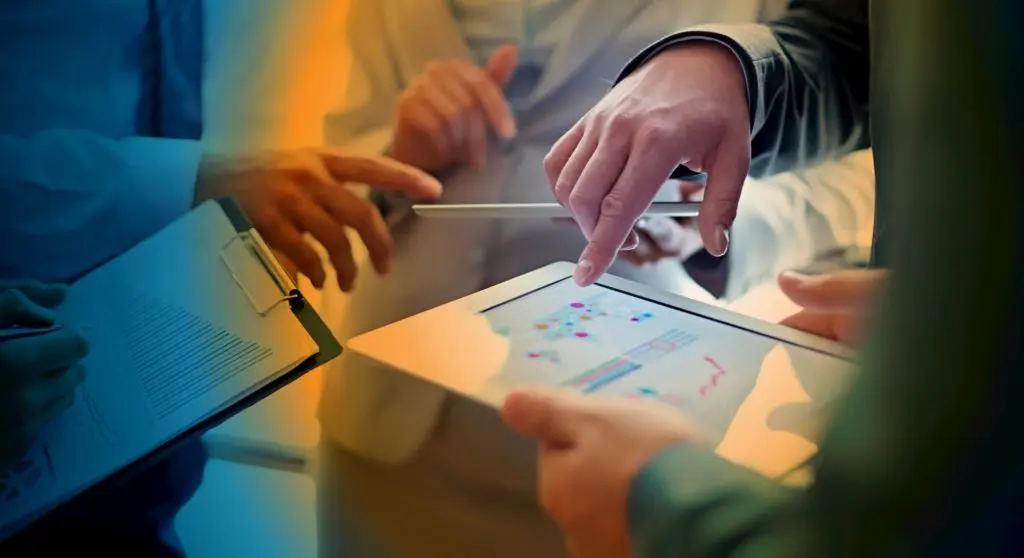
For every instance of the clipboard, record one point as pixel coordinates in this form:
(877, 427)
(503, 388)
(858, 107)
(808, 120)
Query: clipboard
(328, 349)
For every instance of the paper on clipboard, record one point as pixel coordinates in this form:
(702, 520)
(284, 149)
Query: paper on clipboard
(173, 339)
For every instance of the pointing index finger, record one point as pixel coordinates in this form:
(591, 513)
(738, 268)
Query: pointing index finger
(383, 172)
(631, 195)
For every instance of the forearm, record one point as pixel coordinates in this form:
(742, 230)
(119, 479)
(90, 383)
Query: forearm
(77, 199)
(806, 77)
(690, 502)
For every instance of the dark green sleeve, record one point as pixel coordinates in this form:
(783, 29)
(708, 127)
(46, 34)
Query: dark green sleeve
(690, 502)
(924, 456)
(807, 80)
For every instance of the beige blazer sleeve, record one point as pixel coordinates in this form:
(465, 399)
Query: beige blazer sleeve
(391, 42)
(363, 118)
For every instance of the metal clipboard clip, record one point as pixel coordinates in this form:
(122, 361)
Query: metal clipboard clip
(257, 272)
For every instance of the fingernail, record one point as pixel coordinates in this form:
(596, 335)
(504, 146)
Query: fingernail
(582, 273)
(509, 129)
(794, 276)
(721, 240)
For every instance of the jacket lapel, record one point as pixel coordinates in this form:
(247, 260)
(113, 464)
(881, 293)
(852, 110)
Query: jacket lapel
(595, 22)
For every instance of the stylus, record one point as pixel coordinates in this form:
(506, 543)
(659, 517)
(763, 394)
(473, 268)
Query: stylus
(535, 210)
(20, 332)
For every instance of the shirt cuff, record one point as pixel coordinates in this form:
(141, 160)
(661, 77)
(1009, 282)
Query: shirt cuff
(158, 183)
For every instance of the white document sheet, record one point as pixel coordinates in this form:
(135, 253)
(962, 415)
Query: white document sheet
(174, 339)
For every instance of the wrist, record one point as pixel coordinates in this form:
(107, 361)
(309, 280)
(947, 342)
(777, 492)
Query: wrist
(209, 177)
(711, 56)
(707, 53)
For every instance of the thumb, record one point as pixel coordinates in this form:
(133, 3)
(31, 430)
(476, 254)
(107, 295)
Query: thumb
(17, 310)
(549, 416)
(797, 418)
(815, 323)
(502, 64)
(841, 291)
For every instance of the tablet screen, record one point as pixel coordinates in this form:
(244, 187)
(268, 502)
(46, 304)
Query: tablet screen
(598, 339)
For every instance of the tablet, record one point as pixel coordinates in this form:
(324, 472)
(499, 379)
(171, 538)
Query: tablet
(615, 338)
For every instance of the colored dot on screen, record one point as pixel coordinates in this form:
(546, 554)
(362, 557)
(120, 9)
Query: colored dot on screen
(581, 334)
(534, 355)
(542, 326)
(647, 315)
(577, 305)
(634, 319)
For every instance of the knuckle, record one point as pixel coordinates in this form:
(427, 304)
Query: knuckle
(725, 208)
(613, 205)
(450, 112)
(285, 195)
(619, 121)
(652, 134)
(553, 164)
(362, 215)
(478, 80)
(427, 125)
(579, 197)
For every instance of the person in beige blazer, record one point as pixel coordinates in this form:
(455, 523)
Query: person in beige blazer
(476, 92)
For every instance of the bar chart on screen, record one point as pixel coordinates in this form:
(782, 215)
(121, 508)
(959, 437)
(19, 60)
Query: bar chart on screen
(642, 393)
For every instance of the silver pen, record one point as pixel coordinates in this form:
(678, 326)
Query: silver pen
(536, 210)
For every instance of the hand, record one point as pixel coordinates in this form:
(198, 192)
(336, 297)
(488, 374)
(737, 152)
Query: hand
(688, 106)
(289, 193)
(38, 374)
(659, 238)
(590, 451)
(444, 116)
(835, 305)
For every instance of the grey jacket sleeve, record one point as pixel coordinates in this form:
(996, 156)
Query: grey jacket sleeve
(807, 77)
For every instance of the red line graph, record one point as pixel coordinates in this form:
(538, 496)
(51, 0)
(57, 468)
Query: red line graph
(713, 380)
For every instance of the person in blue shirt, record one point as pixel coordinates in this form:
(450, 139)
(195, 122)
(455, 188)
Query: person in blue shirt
(101, 127)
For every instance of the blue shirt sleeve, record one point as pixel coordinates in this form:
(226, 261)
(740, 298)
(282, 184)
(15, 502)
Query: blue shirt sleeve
(75, 199)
